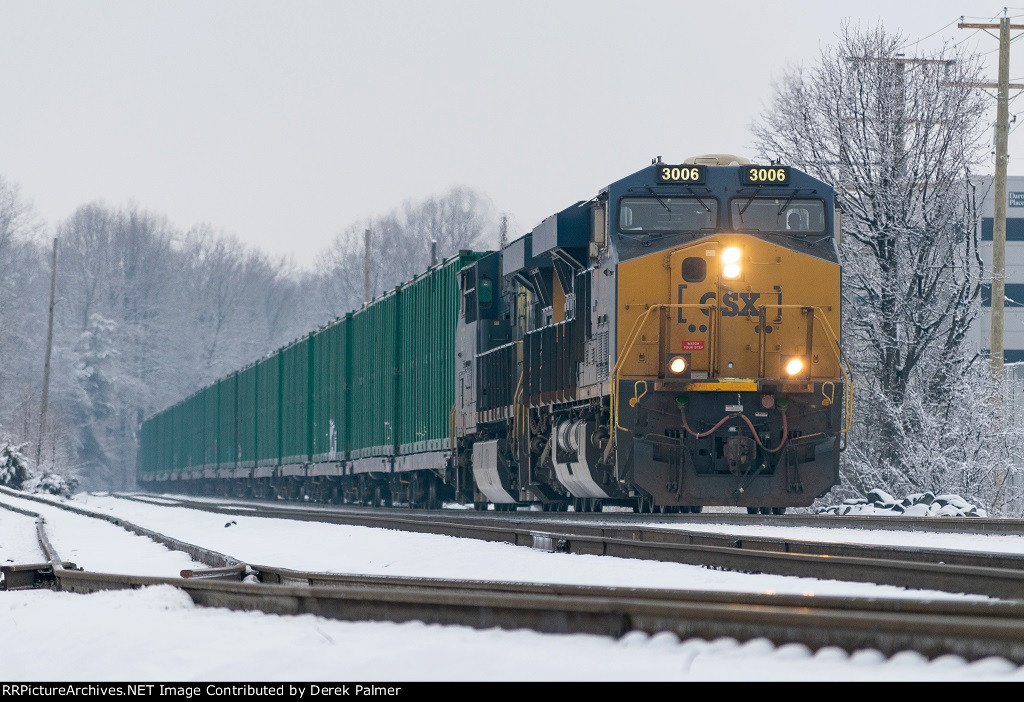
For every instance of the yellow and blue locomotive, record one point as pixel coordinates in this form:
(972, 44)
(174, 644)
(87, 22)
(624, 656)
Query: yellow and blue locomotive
(671, 343)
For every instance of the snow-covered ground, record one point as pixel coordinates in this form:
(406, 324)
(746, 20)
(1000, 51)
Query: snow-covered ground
(352, 549)
(995, 543)
(157, 634)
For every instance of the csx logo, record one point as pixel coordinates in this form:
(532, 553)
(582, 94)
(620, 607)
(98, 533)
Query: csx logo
(734, 304)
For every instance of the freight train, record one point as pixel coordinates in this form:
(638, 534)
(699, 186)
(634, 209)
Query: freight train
(671, 343)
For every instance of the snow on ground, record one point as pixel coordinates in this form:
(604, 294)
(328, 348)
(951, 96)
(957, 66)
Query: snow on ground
(18, 539)
(98, 545)
(157, 633)
(351, 549)
(996, 543)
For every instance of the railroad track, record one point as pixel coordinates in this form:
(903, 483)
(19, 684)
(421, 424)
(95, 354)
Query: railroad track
(969, 629)
(981, 526)
(993, 574)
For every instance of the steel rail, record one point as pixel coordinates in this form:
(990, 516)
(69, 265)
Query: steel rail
(994, 575)
(957, 525)
(33, 575)
(205, 556)
(970, 629)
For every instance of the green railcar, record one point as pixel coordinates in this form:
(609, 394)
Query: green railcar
(295, 369)
(365, 393)
(247, 429)
(372, 394)
(268, 411)
(329, 391)
(211, 439)
(227, 421)
(426, 357)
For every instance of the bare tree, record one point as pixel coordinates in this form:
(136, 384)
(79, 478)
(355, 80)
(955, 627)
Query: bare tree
(898, 138)
(400, 246)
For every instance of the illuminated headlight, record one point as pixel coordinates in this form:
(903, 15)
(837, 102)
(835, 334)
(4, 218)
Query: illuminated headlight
(731, 256)
(677, 365)
(794, 366)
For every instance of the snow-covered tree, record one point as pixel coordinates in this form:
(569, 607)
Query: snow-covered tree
(898, 138)
(13, 465)
(400, 244)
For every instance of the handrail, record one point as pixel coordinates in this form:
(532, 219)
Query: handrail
(630, 342)
(515, 404)
(841, 361)
(843, 364)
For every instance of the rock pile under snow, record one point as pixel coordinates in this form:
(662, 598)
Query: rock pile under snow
(921, 504)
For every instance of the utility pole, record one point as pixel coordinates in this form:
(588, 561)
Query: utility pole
(49, 349)
(503, 232)
(999, 214)
(366, 267)
(433, 252)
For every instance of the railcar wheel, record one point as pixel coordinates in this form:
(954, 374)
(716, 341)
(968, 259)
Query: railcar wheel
(778, 510)
(753, 510)
(480, 506)
(696, 509)
(432, 500)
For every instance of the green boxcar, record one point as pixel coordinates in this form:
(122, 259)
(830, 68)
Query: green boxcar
(210, 445)
(177, 433)
(295, 402)
(330, 390)
(374, 383)
(162, 455)
(247, 417)
(227, 421)
(148, 446)
(372, 394)
(190, 433)
(268, 414)
(430, 308)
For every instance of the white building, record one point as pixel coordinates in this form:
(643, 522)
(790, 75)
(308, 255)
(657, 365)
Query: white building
(1013, 306)
(1013, 322)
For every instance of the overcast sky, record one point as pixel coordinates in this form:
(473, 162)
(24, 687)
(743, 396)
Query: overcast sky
(284, 122)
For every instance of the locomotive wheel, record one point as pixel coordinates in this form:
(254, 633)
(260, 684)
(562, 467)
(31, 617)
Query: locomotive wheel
(433, 501)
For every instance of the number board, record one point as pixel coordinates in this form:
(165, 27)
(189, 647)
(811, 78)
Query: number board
(681, 174)
(764, 175)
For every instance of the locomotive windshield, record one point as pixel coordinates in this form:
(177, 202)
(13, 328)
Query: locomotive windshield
(662, 215)
(779, 215)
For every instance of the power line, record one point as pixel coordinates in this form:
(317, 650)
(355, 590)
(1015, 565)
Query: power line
(945, 26)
